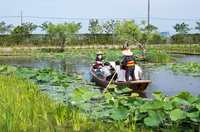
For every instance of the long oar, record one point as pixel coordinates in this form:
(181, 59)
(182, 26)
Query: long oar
(111, 80)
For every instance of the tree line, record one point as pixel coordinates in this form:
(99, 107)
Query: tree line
(118, 32)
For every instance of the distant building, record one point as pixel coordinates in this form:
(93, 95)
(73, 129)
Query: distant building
(164, 34)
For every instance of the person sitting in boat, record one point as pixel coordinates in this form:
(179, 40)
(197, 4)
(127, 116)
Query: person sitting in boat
(129, 61)
(99, 58)
(109, 77)
(105, 69)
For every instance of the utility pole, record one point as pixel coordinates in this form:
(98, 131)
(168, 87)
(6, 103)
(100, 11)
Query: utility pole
(21, 19)
(148, 14)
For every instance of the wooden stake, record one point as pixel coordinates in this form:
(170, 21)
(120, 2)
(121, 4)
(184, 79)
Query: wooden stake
(111, 80)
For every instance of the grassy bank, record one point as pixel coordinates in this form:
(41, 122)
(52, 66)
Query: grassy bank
(24, 108)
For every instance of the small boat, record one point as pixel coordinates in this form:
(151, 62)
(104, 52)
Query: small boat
(138, 86)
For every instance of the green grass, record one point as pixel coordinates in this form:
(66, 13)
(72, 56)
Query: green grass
(24, 108)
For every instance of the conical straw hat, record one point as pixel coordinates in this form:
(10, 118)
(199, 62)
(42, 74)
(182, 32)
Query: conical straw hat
(99, 53)
(127, 52)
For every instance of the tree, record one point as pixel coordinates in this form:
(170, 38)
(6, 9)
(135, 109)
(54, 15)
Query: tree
(129, 31)
(63, 32)
(94, 27)
(29, 26)
(148, 32)
(182, 28)
(110, 28)
(20, 32)
(5, 28)
(198, 26)
(44, 27)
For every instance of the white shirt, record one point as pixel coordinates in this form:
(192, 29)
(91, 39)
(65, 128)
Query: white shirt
(106, 71)
(137, 71)
(121, 75)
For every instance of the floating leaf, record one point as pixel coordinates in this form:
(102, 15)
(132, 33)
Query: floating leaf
(126, 89)
(177, 114)
(134, 94)
(194, 116)
(158, 95)
(84, 89)
(155, 118)
(76, 99)
(119, 113)
(117, 91)
(65, 85)
(167, 105)
(112, 86)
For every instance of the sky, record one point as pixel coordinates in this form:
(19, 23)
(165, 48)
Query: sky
(164, 14)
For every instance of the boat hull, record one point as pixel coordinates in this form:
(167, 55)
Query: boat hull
(139, 86)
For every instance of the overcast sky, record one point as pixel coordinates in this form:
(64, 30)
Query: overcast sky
(177, 11)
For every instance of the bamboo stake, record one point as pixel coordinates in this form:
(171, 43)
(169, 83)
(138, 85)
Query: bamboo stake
(111, 80)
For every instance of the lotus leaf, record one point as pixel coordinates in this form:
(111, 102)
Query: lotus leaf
(177, 114)
(167, 105)
(134, 94)
(86, 97)
(76, 99)
(108, 95)
(57, 73)
(119, 113)
(111, 101)
(198, 106)
(139, 101)
(158, 95)
(84, 89)
(139, 116)
(85, 106)
(79, 77)
(1, 67)
(126, 89)
(194, 116)
(112, 86)
(191, 99)
(154, 105)
(43, 77)
(65, 85)
(155, 118)
(77, 92)
(117, 91)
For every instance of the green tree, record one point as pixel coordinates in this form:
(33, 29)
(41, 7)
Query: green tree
(94, 28)
(198, 26)
(45, 27)
(63, 32)
(129, 31)
(5, 28)
(109, 27)
(182, 28)
(148, 32)
(20, 32)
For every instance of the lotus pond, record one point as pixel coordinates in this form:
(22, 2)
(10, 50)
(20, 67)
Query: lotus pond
(67, 78)
(169, 78)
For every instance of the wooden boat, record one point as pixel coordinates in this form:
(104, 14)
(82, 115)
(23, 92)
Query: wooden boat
(139, 86)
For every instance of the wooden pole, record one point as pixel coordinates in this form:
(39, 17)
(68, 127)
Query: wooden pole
(111, 80)
(21, 19)
(148, 14)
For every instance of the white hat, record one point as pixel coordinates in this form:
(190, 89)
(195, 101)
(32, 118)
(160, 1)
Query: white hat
(99, 53)
(127, 52)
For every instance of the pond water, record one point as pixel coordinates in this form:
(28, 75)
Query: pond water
(162, 80)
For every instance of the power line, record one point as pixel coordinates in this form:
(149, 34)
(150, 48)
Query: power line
(67, 18)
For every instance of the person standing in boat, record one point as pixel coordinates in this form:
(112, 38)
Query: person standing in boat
(129, 62)
(99, 58)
